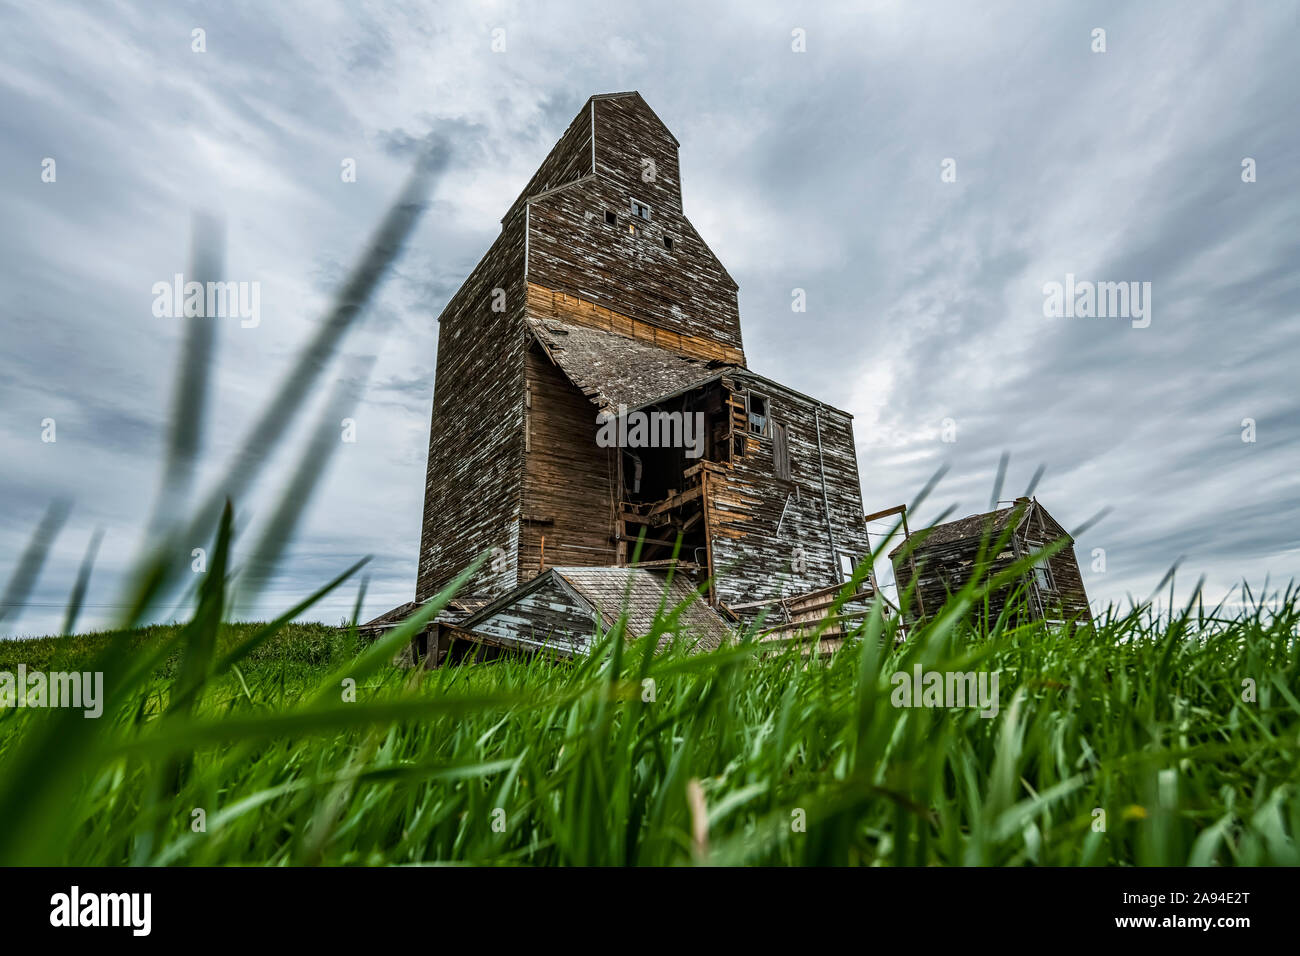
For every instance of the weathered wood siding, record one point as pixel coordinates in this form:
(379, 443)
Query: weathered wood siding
(1072, 598)
(548, 616)
(473, 480)
(512, 453)
(477, 498)
(751, 560)
(1068, 598)
(544, 303)
(569, 481)
(572, 249)
(945, 568)
(635, 150)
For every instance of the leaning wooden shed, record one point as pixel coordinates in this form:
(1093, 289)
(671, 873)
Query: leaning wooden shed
(943, 558)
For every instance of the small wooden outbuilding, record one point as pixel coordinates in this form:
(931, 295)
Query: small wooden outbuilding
(942, 559)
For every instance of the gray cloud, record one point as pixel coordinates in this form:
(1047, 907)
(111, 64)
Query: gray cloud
(817, 170)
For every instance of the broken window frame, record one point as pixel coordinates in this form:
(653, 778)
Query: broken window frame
(766, 430)
(1044, 580)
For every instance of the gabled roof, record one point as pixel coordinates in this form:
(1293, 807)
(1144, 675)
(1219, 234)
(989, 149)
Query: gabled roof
(975, 527)
(612, 369)
(573, 157)
(640, 594)
(610, 592)
(637, 94)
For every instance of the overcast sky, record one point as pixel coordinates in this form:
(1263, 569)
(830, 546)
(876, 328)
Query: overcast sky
(821, 170)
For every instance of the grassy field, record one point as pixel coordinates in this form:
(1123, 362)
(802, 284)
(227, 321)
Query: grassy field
(1133, 742)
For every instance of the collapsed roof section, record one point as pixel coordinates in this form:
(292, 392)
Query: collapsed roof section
(612, 369)
(562, 609)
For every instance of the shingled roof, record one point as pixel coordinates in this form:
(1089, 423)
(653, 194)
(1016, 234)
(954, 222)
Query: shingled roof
(640, 594)
(611, 592)
(613, 369)
(992, 523)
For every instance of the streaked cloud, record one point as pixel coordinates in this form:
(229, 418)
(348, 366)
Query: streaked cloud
(818, 170)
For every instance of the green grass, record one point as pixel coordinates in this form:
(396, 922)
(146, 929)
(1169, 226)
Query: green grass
(300, 651)
(533, 761)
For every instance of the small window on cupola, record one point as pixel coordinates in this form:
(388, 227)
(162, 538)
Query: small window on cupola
(668, 243)
(640, 210)
(610, 217)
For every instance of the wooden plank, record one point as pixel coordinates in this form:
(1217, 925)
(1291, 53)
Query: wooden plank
(550, 303)
(676, 501)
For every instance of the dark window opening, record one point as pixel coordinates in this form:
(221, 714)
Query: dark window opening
(757, 407)
(610, 217)
(668, 243)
